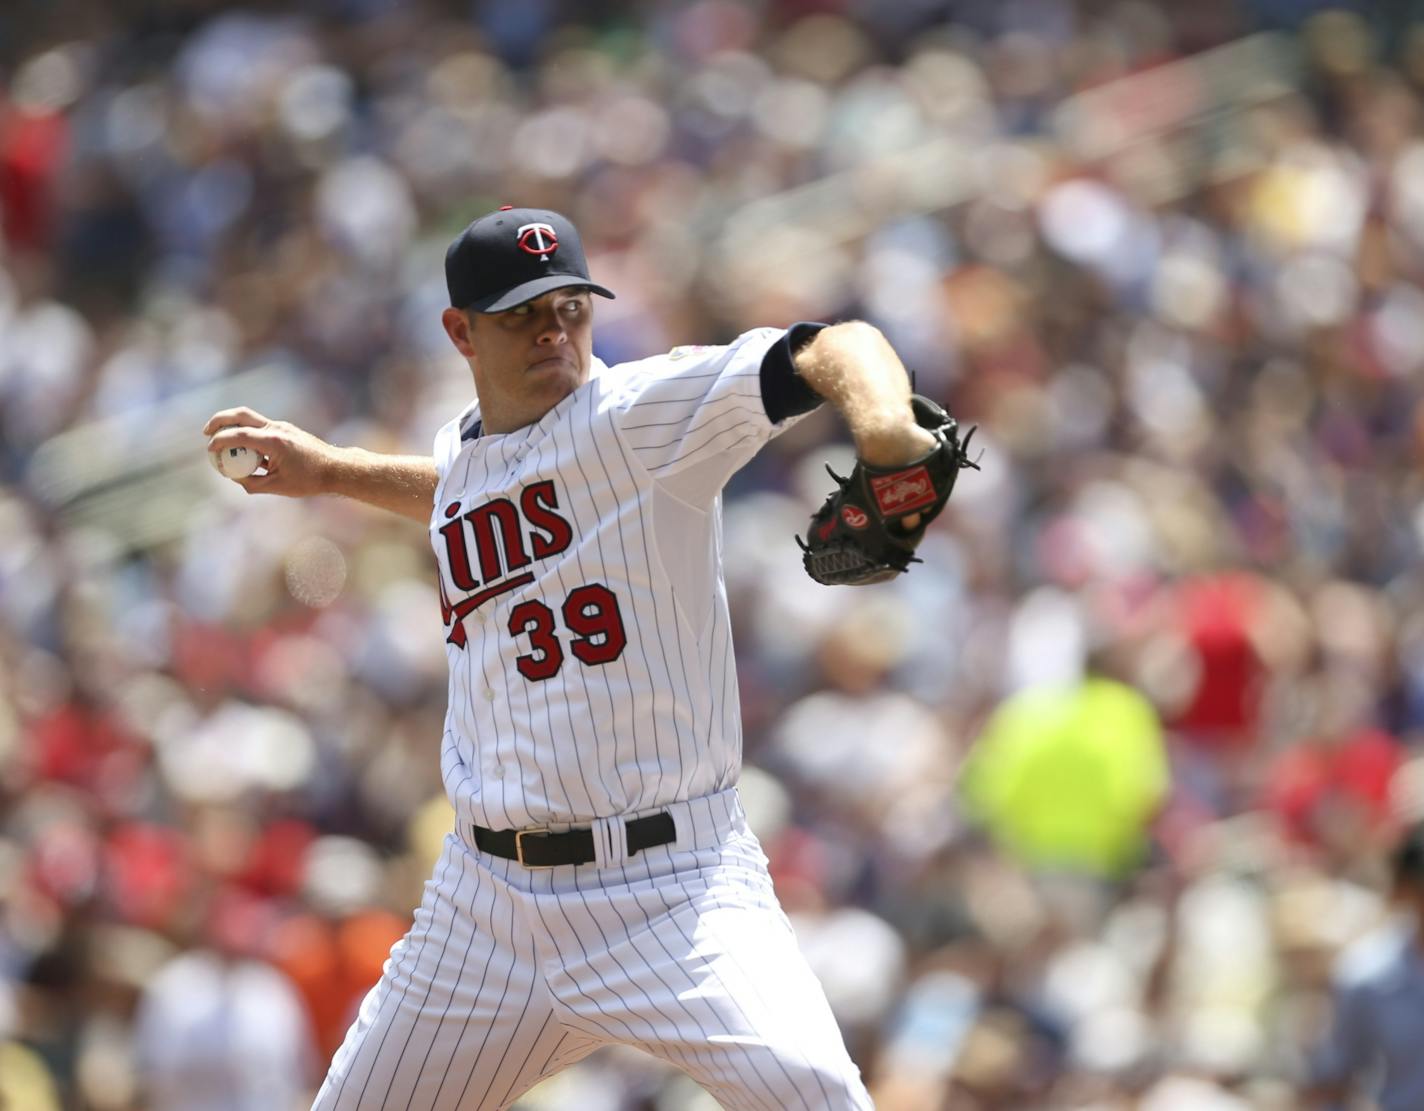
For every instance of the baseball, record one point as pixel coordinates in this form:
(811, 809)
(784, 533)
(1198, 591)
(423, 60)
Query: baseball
(235, 462)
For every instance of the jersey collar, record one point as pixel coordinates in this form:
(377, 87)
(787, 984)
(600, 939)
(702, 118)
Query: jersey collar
(472, 427)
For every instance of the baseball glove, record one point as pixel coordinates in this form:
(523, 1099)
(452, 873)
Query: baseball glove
(858, 536)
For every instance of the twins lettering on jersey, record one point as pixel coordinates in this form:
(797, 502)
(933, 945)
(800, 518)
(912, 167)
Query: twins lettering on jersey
(506, 540)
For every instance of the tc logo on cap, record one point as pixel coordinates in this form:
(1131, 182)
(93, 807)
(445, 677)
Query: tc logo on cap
(538, 239)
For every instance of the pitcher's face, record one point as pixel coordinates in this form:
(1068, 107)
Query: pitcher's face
(526, 359)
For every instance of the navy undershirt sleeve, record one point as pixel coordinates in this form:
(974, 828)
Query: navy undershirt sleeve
(784, 393)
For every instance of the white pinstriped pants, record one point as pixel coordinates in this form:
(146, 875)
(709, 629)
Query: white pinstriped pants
(509, 975)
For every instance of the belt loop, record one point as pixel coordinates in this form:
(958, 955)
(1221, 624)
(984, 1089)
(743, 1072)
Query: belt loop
(610, 842)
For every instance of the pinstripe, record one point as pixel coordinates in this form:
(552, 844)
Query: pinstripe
(465, 753)
(639, 790)
(425, 999)
(702, 451)
(514, 755)
(376, 1021)
(678, 423)
(711, 374)
(678, 635)
(631, 1036)
(475, 931)
(655, 387)
(735, 403)
(684, 758)
(732, 417)
(730, 696)
(643, 403)
(538, 764)
(672, 992)
(509, 1042)
(572, 1019)
(461, 707)
(614, 803)
(515, 689)
(514, 1082)
(666, 397)
(747, 1090)
(513, 448)
(602, 983)
(646, 400)
(678, 454)
(688, 761)
(524, 809)
(760, 904)
(689, 424)
(453, 748)
(654, 1038)
(562, 1060)
(476, 657)
(779, 1097)
(499, 1009)
(652, 388)
(733, 750)
(546, 1068)
(608, 949)
(667, 1047)
(541, 690)
(641, 762)
(656, 889)
(609, 802)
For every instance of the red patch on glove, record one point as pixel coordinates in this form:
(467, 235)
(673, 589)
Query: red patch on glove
(903, 492)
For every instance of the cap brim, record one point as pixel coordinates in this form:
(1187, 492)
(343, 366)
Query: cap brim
(511, 298)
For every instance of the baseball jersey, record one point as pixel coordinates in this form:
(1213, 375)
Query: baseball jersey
(590, 651)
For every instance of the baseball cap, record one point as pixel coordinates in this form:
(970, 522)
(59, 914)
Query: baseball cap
(512, 256)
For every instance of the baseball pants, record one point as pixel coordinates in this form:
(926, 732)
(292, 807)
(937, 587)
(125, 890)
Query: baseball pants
(509, 975)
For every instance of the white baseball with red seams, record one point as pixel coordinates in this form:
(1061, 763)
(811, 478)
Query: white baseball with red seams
(592, 680)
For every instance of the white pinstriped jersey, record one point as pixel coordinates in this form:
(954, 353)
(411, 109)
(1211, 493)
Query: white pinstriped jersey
(591, 665)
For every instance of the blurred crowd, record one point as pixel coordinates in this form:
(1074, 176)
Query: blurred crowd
(1081, 813)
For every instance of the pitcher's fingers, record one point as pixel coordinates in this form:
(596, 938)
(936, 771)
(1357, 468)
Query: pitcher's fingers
(240, 416)
(256, 483)
(254, 439)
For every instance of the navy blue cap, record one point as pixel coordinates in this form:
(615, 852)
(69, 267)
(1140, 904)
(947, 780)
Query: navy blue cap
(512, 256)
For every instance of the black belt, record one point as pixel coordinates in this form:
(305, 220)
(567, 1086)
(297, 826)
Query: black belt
(539, 848)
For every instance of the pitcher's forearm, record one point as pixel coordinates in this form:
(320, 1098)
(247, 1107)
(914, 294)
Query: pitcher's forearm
(403, 484)
(853, 366)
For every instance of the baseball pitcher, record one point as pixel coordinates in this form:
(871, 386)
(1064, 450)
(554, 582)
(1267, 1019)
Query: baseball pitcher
(601, 885)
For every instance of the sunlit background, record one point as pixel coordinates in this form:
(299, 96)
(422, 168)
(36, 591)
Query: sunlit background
(1077, 814)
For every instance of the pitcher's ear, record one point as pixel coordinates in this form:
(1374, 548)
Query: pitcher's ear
(457, 327)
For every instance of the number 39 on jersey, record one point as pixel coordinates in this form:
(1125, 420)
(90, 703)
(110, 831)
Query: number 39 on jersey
(506, 539)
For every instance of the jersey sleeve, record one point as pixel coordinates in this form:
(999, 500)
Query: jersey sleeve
(694, 416)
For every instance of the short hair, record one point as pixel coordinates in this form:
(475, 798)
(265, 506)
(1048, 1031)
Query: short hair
(1407, 860)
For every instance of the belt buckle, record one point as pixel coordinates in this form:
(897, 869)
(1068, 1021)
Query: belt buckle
(519, 835)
